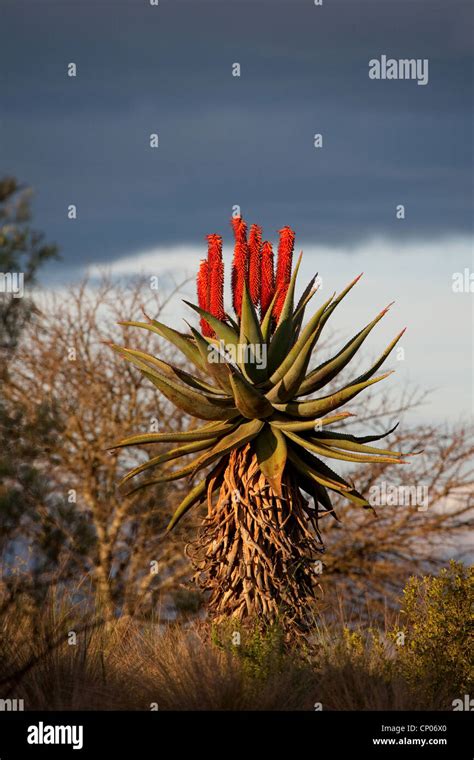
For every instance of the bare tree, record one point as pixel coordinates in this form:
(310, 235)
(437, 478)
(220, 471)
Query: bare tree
(63, 367)
(423, 513)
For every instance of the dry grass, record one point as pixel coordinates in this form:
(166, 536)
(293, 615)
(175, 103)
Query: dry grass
(129, 665)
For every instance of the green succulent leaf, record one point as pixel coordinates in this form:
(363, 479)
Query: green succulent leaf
(198, 434)
(271, 450)
(195, 496)
(180, 340)
(327, 403)
(306, 297)
(236, 439)
(318, 320)
(358, 438)
(287, 387)
(176, 453)
(353, 443)
(167, 477)
(223, 331)
(190, 401)
(331, 453)
(250, 331)
(338, 300)
(308, 333)
(322, 474)
(373, 369)
(315, 474)
(248, 400)
(251, 335)
(283, 337)
(266, 325)
(323, 374)
(233, 323)
(298, 425)
(143, 361)
(319, 494)
(210, 483)
(217, 369)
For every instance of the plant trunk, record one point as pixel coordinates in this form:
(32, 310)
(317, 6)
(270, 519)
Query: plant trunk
(256, 552)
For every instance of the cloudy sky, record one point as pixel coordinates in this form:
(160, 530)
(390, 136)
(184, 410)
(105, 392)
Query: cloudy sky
(249, 141)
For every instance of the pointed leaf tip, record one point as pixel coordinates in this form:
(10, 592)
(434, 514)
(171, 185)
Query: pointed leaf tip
(387, 308)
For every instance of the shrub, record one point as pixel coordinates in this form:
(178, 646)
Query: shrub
(437, 614)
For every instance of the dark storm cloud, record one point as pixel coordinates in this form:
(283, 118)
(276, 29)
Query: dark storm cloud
(224, 140)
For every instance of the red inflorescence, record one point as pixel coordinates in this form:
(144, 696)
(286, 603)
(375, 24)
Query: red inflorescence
(255, 255)
(214, 249)
(239, 275)
(216, 301)
(252, 266)
(283, 272)
(216, 276)
(240, 263)
(240, 229)
(203, 295)
(267, 289)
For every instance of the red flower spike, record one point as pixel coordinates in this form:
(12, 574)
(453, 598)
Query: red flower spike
(240, 263)
(283, 272)
(255, 255)
(267, 287)
(240, 229)
(203, 296)
(214, 249)
(216, 276)
(239, 275)
(206, 329)
(216, 300)
(203, 285)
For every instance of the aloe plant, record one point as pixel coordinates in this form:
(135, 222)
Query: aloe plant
(265, 446)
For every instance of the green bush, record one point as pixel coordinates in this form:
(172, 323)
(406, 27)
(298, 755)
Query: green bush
(437, 646)
(260, 647)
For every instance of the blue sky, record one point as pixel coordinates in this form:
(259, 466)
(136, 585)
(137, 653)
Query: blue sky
(249, 141)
